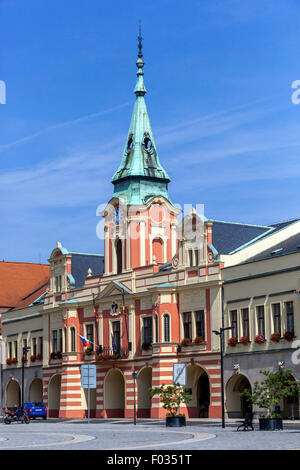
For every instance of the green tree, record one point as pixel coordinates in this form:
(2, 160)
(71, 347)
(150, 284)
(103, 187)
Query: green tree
(172, 396)
(268, 393)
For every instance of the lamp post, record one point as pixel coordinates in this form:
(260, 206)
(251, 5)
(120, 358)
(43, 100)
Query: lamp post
(134, 374)
(220, 333)
(25, 351)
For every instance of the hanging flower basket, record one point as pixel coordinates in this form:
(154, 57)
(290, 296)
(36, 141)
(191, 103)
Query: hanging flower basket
(8, 361)
(244, 340)
(259, 339)
(32, 357)
(185, 342)
(276, 337)
(14, 360)
(233, 341)
(89, 351)
(289, 335)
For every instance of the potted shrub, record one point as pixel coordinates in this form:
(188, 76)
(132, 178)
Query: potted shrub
(276, 337)
(259, 339)
(172, 396)
(244, 340)
(233, 341)
(267, 395)
(185, 342)
(289, 335)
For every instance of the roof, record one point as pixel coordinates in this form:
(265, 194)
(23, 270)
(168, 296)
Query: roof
(288, 246)
(81, 263)
(19, 280)
(228, 237)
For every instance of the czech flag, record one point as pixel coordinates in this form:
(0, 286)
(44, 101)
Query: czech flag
(85, 341)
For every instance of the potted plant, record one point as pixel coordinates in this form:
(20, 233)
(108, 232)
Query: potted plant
(146, 346)
(199, 340)
(32, 357)
(39, 357)
(8, 361)
(14, 360)
(267, 395)
(172, 396)
(276, 337)
(259, 339)
(233, 341)
(185, 342)
(289, 335)
(24, 358)
(89, 351)
(244, 340)
(53, 355)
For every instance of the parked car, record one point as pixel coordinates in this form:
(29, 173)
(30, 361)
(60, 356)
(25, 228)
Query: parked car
(36, 409)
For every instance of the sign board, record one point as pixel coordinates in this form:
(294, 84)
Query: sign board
(179, 374)
(88, 376)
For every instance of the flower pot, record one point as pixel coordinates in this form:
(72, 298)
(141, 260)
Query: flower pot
(175, 421)
(270, 424)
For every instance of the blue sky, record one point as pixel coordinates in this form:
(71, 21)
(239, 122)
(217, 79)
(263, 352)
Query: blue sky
(218, 75)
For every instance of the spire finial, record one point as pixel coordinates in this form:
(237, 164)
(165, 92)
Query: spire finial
(140, 54)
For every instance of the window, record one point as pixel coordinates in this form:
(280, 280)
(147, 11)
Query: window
(90, 334)
(234, 323)
(73, 339)
(16, 349)
(34, 348)
(119, 255)
(116, 336)
(166, 328)
(10, 350)
(187, 325)
(25, 346)
(54, 341)
(157, 250)
(58, 284)
(196, 257)
(276, 318)
(41, 346)
(156, 327)
(289, 316)
(191, 258)
(147, 327)
(65, 340)
(261, 320)
(200, 324)
(245, 322)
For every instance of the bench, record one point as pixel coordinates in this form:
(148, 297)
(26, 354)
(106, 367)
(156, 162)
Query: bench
(246, 425)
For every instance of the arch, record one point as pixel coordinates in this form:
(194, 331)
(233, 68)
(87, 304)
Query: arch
(237, 406)
(13, 394)
(166, 327)
(144, 382)
(54, 396)
(199, 383)
(73, 338)
(158, 250)
(114, 394)
(36, 390)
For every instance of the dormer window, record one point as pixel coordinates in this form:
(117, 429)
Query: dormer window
(58, 283)
(117, 215)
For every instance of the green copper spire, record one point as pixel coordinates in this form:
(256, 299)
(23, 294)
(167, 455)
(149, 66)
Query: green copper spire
(140, 175)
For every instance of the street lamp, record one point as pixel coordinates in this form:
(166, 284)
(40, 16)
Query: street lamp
(220, 333)
(25, 351)
(134, 374)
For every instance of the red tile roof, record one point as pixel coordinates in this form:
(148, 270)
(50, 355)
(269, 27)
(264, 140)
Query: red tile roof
(21, 283)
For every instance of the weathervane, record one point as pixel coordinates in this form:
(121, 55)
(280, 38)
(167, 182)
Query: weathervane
(140, 54)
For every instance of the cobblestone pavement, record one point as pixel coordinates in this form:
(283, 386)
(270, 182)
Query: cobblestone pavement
(147, 434)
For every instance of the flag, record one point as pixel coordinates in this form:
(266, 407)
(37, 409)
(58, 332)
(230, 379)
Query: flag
(95, 311)
(85, 341)
(114, 346)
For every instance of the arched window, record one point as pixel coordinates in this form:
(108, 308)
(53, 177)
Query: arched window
(166, 327)
(157, 250)
(73, 339)
(65, 340)
(156, 327)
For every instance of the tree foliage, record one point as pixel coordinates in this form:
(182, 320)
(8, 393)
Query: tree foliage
(172, 396)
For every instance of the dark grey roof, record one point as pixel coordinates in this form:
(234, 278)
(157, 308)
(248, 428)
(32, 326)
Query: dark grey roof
(80, 263)
(166, 267)
(290, 245)
(228, 237)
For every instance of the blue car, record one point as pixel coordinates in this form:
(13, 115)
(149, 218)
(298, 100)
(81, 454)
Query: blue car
(36, 409)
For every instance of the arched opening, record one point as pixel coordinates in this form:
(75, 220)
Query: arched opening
(198, 382)
(119, 255)
(144, 382)
(290, 406)
(114, 394)
(36, 390)
(237, 406)
(13, 395)
(54, 396)
(157, 250)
